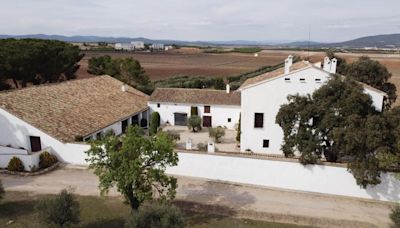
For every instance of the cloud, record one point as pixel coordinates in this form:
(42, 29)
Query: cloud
(203, 20)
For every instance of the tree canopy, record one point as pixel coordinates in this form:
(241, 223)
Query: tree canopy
(135, 164)
(339, 123)
(36, 61)
(127, 70)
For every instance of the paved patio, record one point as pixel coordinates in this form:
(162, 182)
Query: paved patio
(228, 142)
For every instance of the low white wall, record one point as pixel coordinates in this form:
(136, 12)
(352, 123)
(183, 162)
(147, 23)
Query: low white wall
(11, 150)
(283, 174)
(29, 160)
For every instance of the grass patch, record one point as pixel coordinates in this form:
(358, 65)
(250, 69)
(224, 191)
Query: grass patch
(19, 207)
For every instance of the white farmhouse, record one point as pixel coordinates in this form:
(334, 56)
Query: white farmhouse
(262, 97)
(215, 107)
(57, 117)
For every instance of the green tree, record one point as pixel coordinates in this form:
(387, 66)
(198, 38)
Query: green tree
(157, 215)
(217, 133)
(61, 210)
(194, 123)
(127, 70)
(374, 74)
(135, 165)
(1, 190)
(395, 216)
(154, 123)
(308, 122)
(219, 84)
(238, 130)
(38, 61)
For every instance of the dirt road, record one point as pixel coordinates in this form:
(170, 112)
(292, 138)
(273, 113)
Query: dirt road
(229, 199)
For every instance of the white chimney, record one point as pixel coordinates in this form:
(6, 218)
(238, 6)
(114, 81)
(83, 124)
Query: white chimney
(228, 88)
(124, 87)
(333, 66)
(290, 58)
(327, 64)
(287, 66)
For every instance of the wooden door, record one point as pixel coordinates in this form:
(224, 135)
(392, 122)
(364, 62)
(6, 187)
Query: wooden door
(207, 122)
(36, 144)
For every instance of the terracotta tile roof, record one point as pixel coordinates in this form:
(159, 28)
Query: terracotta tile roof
(77, 107)
(273, 74)
(195, 96)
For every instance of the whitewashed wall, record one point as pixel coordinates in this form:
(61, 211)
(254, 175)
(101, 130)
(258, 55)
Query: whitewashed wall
(218, 113)
(267, 98)
(16, 132)
(283, 174)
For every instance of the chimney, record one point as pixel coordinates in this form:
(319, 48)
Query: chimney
(124, 87)
(287, 66)
(290, 58)
(333, 66)
(228, 88)
(327, 64)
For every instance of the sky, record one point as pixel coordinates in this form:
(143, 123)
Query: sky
(212, 20)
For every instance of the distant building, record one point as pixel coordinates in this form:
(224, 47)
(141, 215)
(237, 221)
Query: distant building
(124, 47)
(157, 46)
(138, 45)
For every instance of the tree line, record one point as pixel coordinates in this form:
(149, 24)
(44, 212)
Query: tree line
(34, 61)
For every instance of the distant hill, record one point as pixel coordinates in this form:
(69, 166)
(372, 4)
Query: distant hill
(379, 41)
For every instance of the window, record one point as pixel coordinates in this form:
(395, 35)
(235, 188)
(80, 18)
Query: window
(317, 80)
(158, 105)
(36, 144)
(287, 79)
(302, 80)
(207, 109)
(258, 120)
(229, 120)
(265, 143)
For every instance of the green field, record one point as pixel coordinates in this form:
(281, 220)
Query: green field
(18, 209)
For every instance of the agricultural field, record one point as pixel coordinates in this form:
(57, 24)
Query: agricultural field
(194, 62)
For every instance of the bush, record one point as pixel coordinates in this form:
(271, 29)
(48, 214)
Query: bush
(194, 111)
(61, 210)
(395, 216)
(238, 131)
(15, 165)
(46, 160)
(154, 123)
(1, 190)
(216, 133)
(202, 146)
(157, 215)
(194, 123)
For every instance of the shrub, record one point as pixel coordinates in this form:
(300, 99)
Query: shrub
(1, 190)
(157, 215)
(173, 135)
(395, 216)
(202, 146)
(194, 123)
(15, 165)
(194, 111)
(238, 132)
(154, 123)
(61, 210)
(46, 160)
(216, 133)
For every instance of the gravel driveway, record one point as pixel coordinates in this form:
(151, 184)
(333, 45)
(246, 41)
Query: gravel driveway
(229, 199)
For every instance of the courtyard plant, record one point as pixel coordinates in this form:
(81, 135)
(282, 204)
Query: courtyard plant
(217, 133)
(46, 160)
(154, 123)
(15, 165)
(61, 210)
(194, 123)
